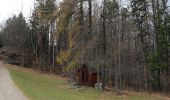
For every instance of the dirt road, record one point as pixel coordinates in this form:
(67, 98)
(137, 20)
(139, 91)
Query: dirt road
(8, 90)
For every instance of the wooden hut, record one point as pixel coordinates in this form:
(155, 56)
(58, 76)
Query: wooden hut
(86, 76)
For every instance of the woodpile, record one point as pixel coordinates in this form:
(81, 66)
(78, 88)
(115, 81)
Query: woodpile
(13, 57)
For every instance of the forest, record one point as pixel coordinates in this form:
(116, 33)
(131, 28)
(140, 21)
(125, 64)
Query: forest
(127, 43)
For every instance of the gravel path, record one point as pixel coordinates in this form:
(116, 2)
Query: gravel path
(8, 90)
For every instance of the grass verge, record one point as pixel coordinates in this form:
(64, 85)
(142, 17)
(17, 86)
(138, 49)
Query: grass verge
(38, 86)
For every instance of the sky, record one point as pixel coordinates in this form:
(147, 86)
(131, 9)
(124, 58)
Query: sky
(8, 8)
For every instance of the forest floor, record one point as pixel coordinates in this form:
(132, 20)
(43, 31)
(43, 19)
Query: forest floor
(8, 90)
(40, 86)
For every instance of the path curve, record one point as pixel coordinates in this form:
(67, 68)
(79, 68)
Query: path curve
(8, 90)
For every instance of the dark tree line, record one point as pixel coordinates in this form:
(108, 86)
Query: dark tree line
(127, 46)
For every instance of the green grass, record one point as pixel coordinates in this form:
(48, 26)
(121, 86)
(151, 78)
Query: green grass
(42, 87)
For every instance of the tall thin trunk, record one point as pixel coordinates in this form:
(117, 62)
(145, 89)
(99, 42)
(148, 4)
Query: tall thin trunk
(104, 41)
(82, 30)
(90, 19)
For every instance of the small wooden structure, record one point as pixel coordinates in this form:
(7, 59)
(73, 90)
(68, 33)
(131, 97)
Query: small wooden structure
(86, 77)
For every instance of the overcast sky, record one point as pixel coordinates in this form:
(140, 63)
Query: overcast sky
(10, 7)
